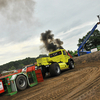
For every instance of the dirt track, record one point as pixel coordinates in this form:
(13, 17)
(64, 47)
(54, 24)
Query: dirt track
(81, 83)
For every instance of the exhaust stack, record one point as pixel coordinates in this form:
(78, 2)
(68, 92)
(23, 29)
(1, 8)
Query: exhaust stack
(98, 17)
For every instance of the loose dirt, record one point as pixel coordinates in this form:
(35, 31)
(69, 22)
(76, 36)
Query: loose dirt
(81, 83)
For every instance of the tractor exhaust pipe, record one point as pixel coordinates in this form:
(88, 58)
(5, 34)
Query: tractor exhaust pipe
(98, 17)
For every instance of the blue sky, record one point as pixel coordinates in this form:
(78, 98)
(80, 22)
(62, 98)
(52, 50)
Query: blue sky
(23, 21)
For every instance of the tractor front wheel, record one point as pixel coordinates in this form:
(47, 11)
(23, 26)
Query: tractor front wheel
(71, 64)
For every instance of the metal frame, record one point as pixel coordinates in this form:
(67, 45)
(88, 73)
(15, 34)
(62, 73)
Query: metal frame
(84, 41)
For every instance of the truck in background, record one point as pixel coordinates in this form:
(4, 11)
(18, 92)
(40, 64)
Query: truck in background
(58, 60)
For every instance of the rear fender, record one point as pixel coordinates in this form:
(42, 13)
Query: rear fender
(16, 75)
(13, 83)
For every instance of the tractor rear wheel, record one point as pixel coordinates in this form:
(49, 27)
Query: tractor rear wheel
(21, 82)
(43, 71)
(54, 69)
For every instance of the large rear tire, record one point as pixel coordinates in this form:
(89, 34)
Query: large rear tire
(21, 82)
(43, 71)
(54, 69)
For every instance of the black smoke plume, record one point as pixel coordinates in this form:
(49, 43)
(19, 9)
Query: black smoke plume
(50, 43)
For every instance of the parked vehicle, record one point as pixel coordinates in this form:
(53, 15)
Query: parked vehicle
(20, 79)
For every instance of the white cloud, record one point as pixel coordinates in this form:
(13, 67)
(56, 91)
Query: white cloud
(76, 28)
(21, 50)
(17, 47)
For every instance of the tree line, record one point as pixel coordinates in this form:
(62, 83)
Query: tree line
(19, 64)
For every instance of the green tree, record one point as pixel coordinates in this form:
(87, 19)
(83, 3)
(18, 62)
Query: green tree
(9, 69)
(20, 66)
(92, 42)
(73, 53)
(12, 68)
